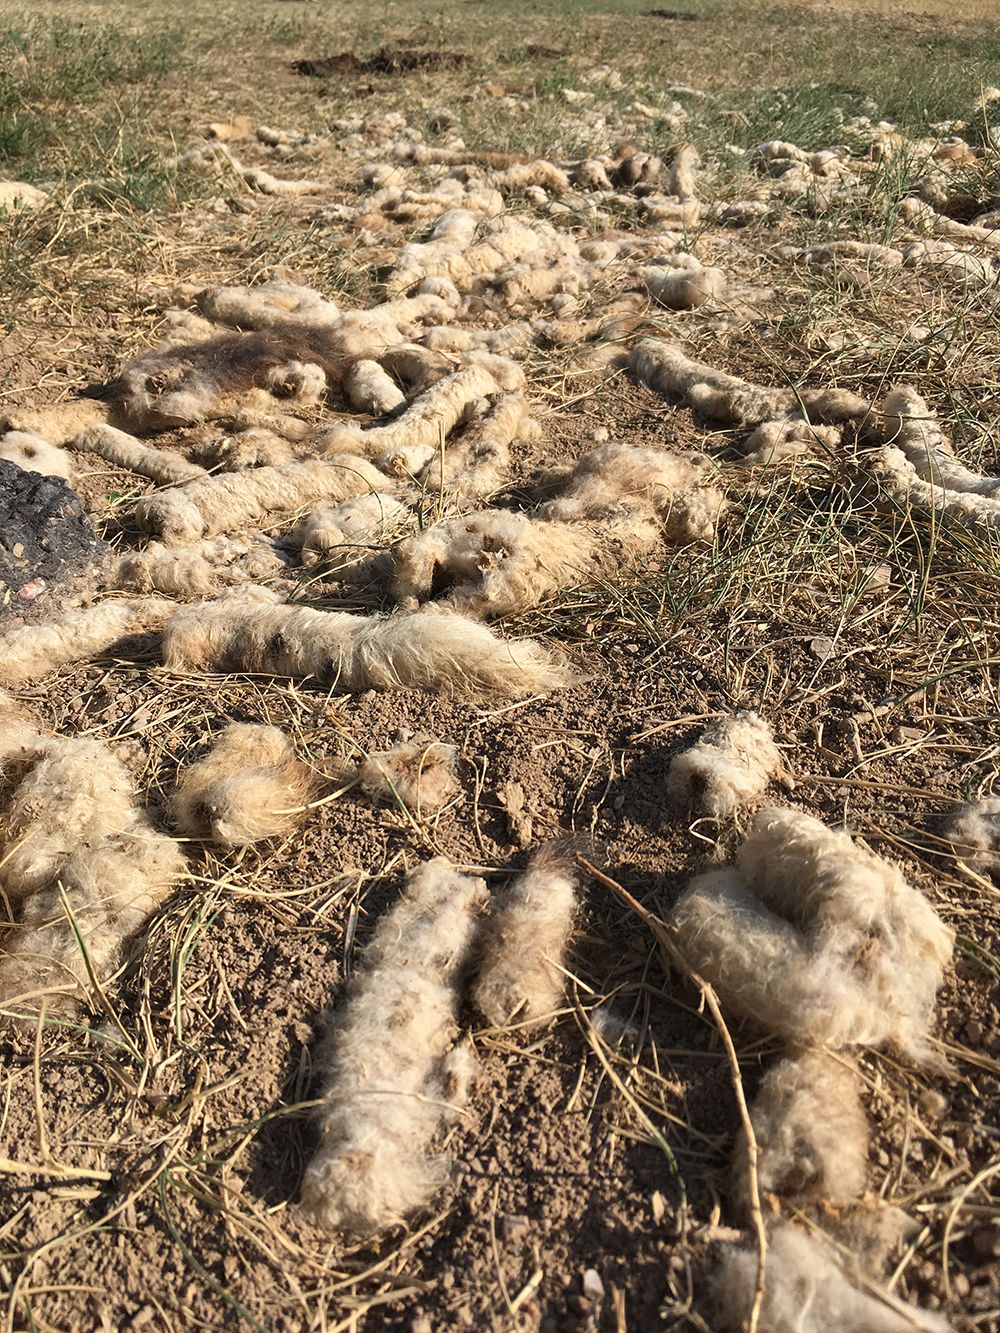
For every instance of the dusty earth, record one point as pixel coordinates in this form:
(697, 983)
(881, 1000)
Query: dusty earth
(151, 1154)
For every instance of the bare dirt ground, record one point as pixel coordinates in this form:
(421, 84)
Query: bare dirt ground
(152, 1150)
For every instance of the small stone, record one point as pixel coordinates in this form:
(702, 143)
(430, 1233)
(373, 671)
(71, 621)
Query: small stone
(822, 647)
(593, 1287)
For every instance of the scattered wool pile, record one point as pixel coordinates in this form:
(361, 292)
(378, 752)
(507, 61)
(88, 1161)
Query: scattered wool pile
(248, 629)
(345, 538)
(237, 500)
(807, 1291)
(114, 446)
(275, 304)
(945, 259)
(34, 454)
(394, 1074)
(816, 938)
(616, 480)
(199, 567)
(524, 945)
(974, 833)
(35, 651)
(215, 157)
(408, 443)
(249, 787)
(921, 216)
(730, 766)
(811, 1132)
(22, 741)
(74, 845)
(665, 368)
(253, 447)
(465, 247)
(421, 774)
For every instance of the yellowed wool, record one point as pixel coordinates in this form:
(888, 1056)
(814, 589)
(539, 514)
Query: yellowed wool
(523, 951)
(392, 1071)
(34, 651)
(114, 446)
(435, 648)
(59, 423)
(731, 765)
(421, 774)
(371, 389)
(345, 538)
(248, 788)
(199, 567)
(476, 464)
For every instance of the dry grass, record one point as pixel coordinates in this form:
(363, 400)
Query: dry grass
(151, 1157)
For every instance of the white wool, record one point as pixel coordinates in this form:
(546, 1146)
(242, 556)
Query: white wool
(124, 451)
(34, 454)
(525, 942)
(615, 480)
(371, 389)
(73, 839)
(730, 766)
(35, 651)
(789, 437)
(271, 304)
(807, 1291)
(393, 1074)
(496, 562)
(246, 499)
(905, 485)
(435, 648)
(818, 939)
(811, 1132)
(476, 464)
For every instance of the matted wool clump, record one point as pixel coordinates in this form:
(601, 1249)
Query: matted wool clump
(731, 765)
(248, 629)
(245, 499)
(83, 867)
(393, 1073)
(789, 437)
(249, 787)
(811, 1132)
(22, 740)
(371, 389)
(496, 562)
(35, 651)
(807, 1291)
(681, 282)
(421, 774)
(815, 937)
(911, 427)
(523, 950)
(200, 567)
(345, 538)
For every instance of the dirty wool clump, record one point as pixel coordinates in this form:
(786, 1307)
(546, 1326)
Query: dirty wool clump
(77, 858)
(811, 1132)
(346, 538)
(807, 1291)
(239, 500)
(393, 1073)
(524, 945)
(818, 939)
(421, 774)
(249, 787)
(974, 833)
(249, 629)
(122, 450)
(730, 766)
(192, 568)
(35, 651)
